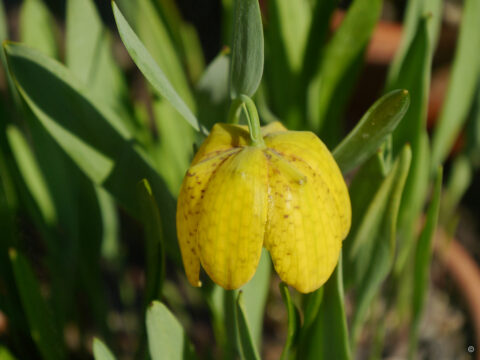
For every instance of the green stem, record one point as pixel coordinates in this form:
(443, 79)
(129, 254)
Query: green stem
(253, 121)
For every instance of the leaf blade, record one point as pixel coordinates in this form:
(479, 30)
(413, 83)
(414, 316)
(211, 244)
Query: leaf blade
(246, 66)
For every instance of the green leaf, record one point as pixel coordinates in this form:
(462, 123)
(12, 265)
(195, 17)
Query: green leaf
(286, 34)
(293, 324)
(459, 181)
(152, 72)
(222, 306)
(212, 91)
(248, 348)
(32, 174)
(4, 353)
(101, 351)
(166, 338)
(415, 11)
(462, 85)
(90, 134)
(414, 75)
(154, 251)
(341, 55)
(379, 121)
(327, 336)
(43, 328)
(372, 242)
(37, 27)
(423, 257)
(246, 66)
(89, 55)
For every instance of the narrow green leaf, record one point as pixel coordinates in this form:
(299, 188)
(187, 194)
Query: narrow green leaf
(89, 55)
(293, 324)
(152, 72)
(166, 338)
(154, 250)
(37, 27)
(327, 337)
(31, 174)
(414, 12)
(423, 257)
(246, 67)
(212, 91)
(414, 75)
(43, 328)
(90, 134)
(459, 181)
(376, 239)
(101, 351)
(379, 121)
(248, 348)
(463, 81)
(342, 52)
(4, 353)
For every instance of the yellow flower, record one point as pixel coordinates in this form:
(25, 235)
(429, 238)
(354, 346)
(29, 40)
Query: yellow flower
(287, 195)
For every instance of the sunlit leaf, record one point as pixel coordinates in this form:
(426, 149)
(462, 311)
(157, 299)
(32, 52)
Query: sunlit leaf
(371, 131)
(150, 69)
(32, 174)
(90, 134)
(37, 28)
(462, 85)
(247, 344)
(101, 351)
(166, 337)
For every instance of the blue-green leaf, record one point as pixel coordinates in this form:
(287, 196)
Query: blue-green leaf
(246, 67)
(462, 85)
(43, 328)
(101, 351)
(423, 256)
(166, 337)
(247, 344)
(150, 69)
(379, 121)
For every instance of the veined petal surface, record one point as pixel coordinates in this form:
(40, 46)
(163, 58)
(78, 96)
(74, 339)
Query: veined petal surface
(232, 219)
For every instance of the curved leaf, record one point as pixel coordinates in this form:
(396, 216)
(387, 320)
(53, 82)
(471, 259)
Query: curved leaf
(101, 351)
(293, 324)
(371, 131)
(150, 69)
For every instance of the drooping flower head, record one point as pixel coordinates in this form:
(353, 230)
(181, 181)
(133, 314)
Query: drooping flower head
(287, 195)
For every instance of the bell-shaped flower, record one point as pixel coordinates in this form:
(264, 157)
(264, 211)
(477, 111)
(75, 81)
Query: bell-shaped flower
(287, 195)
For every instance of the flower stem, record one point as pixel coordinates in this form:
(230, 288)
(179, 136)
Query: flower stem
(253, 120)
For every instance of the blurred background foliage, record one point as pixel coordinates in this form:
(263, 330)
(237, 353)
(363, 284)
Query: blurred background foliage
(92, 157)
